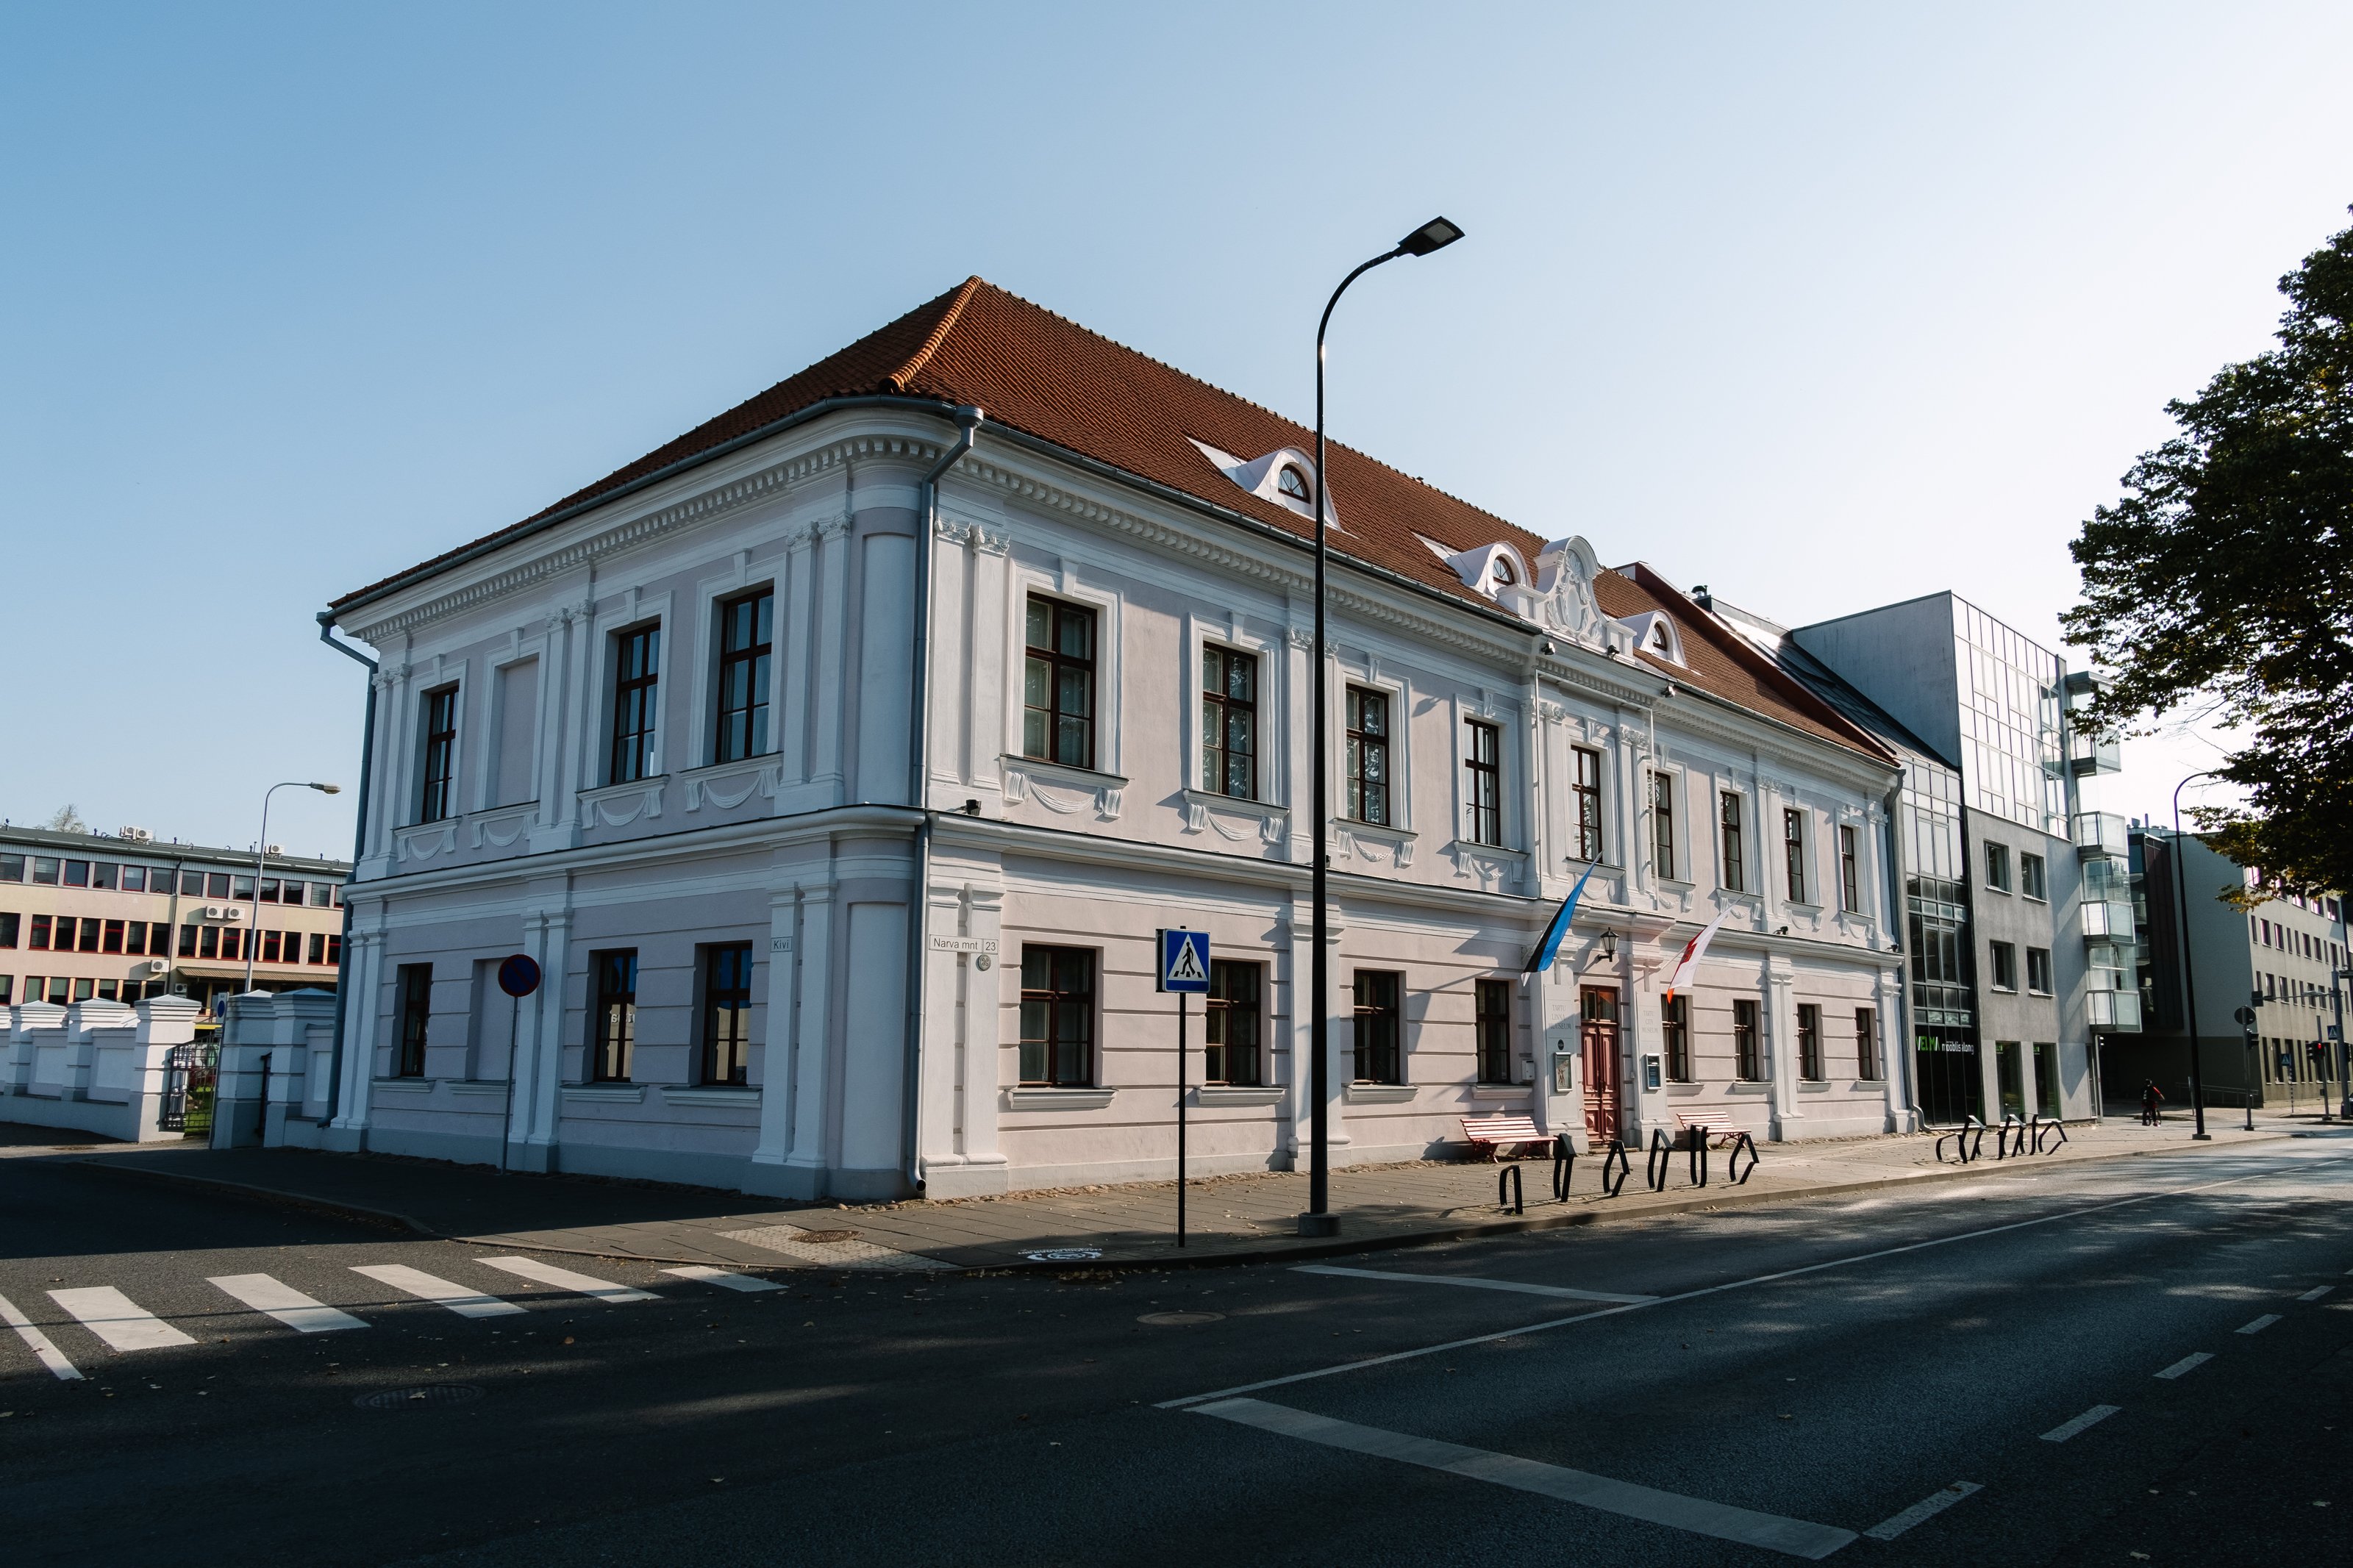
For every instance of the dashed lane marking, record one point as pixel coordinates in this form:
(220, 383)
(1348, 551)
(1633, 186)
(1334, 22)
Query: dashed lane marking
(1926, 1507)
(565, 1280)
(285, 1303)
(2316, 1295)
(1795, 1537)
(37, 1341)
(2260, 1324)
(2096, 1415)
(2189, 1362)
(1473, 1284)
(115, 1317)
(440, 1292)
(707, 1276)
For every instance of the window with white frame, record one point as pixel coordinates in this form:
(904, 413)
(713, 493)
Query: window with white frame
(1663, 825)
(1229, 744)
(1369, 756)
(1058, 683)
(1793, 853)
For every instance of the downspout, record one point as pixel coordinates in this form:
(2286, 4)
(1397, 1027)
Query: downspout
(359, 843)
(1900, 925)
(918, 784)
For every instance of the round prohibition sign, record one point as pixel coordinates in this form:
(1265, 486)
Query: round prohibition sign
(519, 975)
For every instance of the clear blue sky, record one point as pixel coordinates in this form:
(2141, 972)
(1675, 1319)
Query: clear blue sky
(1824, 306)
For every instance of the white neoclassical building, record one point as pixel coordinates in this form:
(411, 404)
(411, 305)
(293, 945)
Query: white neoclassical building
(664, 739)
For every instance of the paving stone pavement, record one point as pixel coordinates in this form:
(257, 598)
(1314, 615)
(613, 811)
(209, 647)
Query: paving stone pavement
(1229, 1218)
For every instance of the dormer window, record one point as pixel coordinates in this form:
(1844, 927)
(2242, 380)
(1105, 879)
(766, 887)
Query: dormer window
(1293, 483)
(1503, 574)
(1659, 644)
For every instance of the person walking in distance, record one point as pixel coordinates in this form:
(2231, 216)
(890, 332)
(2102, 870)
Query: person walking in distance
(2152, 1096)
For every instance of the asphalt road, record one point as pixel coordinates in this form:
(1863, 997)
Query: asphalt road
(1729, 1386)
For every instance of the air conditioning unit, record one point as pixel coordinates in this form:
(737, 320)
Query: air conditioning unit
(232, 911)
(136, 836)
(273, 849)
(212, 911)
(156, 966)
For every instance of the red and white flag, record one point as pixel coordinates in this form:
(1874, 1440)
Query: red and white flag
(1686, 972)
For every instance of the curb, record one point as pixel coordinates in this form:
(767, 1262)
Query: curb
(358, 1212)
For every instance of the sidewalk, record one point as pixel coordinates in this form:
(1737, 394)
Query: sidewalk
(1231, 1219)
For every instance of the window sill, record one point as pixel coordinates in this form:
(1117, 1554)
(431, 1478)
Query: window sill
(717, 1094)
(1239, 1094)
(1057, 1098)
(1380, 1093)
(609, 1093)
(1381, 830)
(1801, 906)
(1492, 851)
(1027, 776)
(403, 1085)
(1502, 1091)
(1678, 884)
(476, 1086)
(2045, 995)
(1274, 821)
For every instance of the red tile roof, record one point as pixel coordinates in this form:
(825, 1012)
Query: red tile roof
(1055, 380)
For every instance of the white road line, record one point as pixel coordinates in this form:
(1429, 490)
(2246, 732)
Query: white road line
(286, 1304)
(2096, 1415)
(440, 1292)
(565, 1280)
(1181, 1403)
(721, 1277)
(2189, 1362)
(2316, 1295)
(2260, 1324)
(118, 1319)
(38, 1342)
(1473, 1284)
(1926, 1507)
(1795, 1537)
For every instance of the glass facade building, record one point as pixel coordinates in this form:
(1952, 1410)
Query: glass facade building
(2011, 708)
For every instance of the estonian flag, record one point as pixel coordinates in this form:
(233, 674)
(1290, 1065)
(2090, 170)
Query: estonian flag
(1541, 959)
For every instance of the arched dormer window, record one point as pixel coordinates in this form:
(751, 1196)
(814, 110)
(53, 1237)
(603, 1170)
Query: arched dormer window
(1503, 571)
(1293, 483)
(1659, 642)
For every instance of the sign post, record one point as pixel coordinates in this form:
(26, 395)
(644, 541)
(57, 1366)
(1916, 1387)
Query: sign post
(518, 977)
(1183, 968)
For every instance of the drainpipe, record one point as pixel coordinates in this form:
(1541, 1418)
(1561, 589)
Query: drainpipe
(358, 842)
(918, 784)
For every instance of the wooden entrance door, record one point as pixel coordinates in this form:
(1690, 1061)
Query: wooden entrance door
(1597, 1034)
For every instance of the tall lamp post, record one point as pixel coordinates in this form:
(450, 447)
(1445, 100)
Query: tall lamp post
(2188, 979)
(1435, 234)
(261, 859)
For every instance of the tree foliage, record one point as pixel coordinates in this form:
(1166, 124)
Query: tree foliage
(2224, 579)
(66, 819)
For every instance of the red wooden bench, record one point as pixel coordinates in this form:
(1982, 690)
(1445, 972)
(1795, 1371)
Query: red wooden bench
(1491, 1133)
(1713, 1125)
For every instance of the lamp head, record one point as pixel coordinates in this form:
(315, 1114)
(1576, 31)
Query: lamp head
(328, 788)
(1435, 234)
(1609, 946)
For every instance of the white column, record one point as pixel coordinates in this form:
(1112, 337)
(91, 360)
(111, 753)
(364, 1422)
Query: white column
(988, 682)
(982, 1054)
(778, 1050)
(806, 1160)
(1781, 1048)
(798, 628)
(538, 1071)
(826, 764)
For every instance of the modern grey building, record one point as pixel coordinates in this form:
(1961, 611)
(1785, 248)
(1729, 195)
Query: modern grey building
(2019, 931)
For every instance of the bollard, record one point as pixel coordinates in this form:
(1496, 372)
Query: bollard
(1699, 1156)
(1511, 1173)
(1657, 1160)
(1625, 1169)
(1564, 1167)
(1732, 1165)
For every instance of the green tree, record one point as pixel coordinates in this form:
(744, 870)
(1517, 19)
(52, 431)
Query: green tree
(2224, 581)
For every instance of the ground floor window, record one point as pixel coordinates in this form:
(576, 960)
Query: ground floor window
(1058, 1016)
(1233, 1023)
(1866, 1044)
(1674, 1030)
(1378, 1059)
(727, 1014)
(2046, 1077)
(1495, 1022)
(415, 985)
(1747, 1049)
(612, 1027)
(2009, 1075)
(1809, 1043)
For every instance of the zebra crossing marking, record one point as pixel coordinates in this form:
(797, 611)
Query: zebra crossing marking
(285, 1303)
(565, 1280)
(38, 1342)
(115, 1317)
(708, 1275)
(440, 1292)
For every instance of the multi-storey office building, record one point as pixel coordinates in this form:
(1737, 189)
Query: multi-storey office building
(698, 737)
(2017, 912)
(91, 916)
(2280, 960)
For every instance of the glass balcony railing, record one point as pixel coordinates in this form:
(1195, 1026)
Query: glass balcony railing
(2108, 921)
(2118, 1011)
(2099, 834)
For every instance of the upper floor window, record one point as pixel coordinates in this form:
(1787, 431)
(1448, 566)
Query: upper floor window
(2038, 969)
(1502, 573)
(1728, 816)
(1058, 684)
(1368, 755)
(636, 671)
(1793, 853)
(2032, 879)
(2005, 966)
(1483, 783)
(1292, 481)
(1850, 873)
(1230, 722)
(1663, 824)
(747, 636)
(1996, 858)
(440, 752)
(1587, 801)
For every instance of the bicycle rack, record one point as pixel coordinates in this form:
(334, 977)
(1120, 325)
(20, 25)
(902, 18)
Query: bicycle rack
(2002, 1146)
(1697, 1145)
(1732, 1162)
(1625, 1168)
(1510, 1174)
(1960, 1140)
(1564, 1167)
(1658, 1161)
(2044, 1129)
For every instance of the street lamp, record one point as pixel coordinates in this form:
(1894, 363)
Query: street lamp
(1435, 234)
(2189, 980)
(261, 859)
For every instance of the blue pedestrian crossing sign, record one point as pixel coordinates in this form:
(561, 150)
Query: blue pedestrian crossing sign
(1184, 961)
